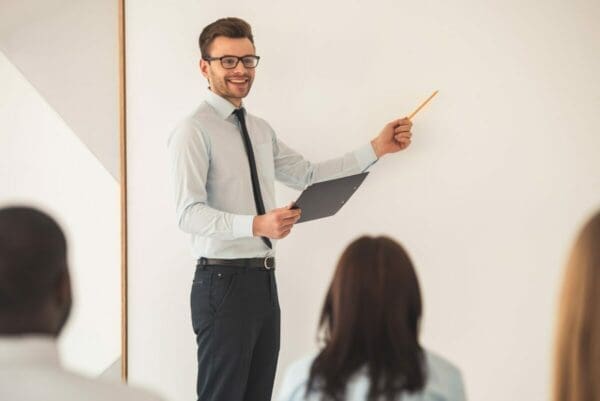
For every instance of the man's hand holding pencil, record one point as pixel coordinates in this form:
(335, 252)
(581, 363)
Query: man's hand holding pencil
(396, 135)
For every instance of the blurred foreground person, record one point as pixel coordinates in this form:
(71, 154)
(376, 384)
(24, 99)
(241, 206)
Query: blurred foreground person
(35, 301)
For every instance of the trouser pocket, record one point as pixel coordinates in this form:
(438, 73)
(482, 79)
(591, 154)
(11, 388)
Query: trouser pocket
(221, 287)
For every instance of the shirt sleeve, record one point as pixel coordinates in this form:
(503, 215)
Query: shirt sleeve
(189, 152)
(296, 172)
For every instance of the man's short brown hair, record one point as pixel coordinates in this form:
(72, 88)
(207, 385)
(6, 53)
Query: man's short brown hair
(230, 27)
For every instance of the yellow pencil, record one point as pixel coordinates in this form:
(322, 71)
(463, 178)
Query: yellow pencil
(422, 105)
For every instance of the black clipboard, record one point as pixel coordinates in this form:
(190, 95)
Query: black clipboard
(326, 198)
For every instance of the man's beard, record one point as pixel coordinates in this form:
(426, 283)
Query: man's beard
(222, 87)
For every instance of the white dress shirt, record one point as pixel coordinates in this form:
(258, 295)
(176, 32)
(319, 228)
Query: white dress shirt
(444, 383)
(211, 175)
(30, 370)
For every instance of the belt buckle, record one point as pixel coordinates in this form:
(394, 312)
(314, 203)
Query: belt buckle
(266, 262)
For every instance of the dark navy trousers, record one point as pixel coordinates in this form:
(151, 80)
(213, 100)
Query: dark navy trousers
(236, 318)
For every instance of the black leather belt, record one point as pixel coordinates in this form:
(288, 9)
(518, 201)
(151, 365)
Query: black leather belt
(267, 263)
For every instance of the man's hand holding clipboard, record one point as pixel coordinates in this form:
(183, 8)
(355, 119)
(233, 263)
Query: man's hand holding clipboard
(276, 223)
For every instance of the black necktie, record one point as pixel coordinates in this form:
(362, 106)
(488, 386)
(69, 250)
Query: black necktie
(258, 201)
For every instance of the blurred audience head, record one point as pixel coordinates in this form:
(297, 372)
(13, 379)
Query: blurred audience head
(370, 319)
(577, 364)
(35, 292)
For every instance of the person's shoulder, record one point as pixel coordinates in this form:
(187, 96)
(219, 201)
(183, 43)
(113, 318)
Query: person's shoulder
(259, 121)
(191, 126)
(443, 375)
(301, 366)
(203, 113)
(58, 383)
(103, 389)
(295, 378)
(440, 363)
(119, 391)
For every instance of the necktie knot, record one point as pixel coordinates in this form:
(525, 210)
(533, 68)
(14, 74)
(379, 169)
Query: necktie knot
(239, 113)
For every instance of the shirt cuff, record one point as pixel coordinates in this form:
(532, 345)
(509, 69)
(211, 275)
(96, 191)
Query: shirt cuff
(365, 156)
(242, 226)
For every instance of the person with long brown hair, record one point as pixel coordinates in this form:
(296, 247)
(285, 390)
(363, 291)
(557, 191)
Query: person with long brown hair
(370, 328)
(577, 363)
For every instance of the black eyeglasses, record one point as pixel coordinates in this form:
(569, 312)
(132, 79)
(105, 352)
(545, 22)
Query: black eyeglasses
(230, 62)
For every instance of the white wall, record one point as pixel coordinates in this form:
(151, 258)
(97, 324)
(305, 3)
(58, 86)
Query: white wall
(43, 163)
(68, 51)
(503, 168)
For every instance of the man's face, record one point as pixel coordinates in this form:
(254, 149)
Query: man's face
(232, 84)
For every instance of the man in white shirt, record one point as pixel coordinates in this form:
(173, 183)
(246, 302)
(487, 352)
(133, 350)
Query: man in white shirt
(224, 163)
(35, 301)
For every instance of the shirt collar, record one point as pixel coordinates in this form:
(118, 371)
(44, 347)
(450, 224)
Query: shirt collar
(221, 105)
(30, 349)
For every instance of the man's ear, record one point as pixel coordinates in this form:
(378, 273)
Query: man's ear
(63, 301)
(63, 288)
(204, 66)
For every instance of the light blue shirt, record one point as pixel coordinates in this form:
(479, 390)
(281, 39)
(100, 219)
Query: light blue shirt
(211, 176)
(444, 383)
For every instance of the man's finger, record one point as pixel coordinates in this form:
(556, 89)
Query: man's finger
(291, 212)
(404, 144)
(403, 140)
(292, 219)
(402, 136)
(287, 226)
(402, 128)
